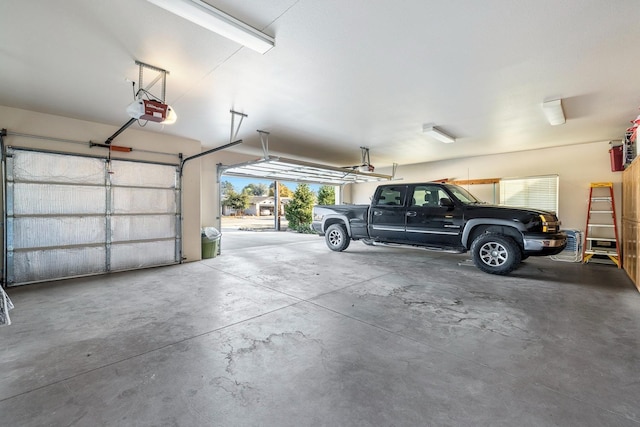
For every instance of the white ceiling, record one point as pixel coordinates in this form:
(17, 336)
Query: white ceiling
(343, 73)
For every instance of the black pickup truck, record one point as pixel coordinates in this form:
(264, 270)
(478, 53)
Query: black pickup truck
(444, 217)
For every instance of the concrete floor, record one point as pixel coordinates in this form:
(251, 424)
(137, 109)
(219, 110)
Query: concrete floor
(291, 334)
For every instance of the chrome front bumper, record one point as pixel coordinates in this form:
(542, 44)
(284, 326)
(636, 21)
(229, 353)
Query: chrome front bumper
(543, 243)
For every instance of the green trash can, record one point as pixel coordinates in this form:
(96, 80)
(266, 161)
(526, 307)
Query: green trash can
(210, 242)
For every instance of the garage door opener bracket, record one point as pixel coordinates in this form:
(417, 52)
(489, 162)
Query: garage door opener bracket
(264, 141)
(235, 129)
(162, 75)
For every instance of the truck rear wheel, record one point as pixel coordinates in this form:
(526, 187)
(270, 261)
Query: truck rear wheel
(337, 238)
(495, 253)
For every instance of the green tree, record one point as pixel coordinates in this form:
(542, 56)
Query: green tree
(237, 201)
(327, 195)
(255, 189)
(226, 187)
(299, 210)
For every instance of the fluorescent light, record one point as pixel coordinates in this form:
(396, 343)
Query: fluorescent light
(553, 111)
(433, 132)
(215, 20)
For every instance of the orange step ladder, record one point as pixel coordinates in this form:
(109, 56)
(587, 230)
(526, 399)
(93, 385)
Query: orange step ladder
(601, 232)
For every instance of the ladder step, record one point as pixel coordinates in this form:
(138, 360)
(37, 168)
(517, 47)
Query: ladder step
(600, 225)
(601, 199)
(601, 252)
(601, 212)
(602, 239)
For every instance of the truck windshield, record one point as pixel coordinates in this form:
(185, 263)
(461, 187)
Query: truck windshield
(463, 195)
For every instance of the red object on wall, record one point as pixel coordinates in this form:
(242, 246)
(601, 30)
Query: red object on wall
(617, 164)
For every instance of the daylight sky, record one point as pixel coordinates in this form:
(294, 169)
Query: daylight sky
(240, 183)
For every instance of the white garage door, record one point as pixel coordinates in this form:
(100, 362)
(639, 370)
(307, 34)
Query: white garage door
(70, 216)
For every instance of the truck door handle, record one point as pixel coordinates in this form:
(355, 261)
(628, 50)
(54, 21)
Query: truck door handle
(377, 213)
(412, 213)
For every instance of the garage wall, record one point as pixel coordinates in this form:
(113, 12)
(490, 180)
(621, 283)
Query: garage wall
(29, 122)
(577, 166)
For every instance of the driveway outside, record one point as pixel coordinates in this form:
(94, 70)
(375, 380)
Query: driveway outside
(252, 223)
(242, 233)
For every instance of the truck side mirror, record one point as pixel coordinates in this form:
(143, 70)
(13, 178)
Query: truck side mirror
(446, 203)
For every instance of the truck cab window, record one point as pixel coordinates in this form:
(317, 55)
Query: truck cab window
(427, 196)
(463, 195)
(391, 196)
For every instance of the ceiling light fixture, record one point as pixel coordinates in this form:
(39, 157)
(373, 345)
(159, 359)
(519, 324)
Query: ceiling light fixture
(215, 20)
(436, 133)
(553, 112)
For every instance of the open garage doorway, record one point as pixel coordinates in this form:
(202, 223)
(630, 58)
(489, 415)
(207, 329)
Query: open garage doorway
(272, 182)
(260, 207)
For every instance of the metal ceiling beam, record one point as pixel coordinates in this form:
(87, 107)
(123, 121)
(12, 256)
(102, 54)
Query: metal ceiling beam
(278, 168)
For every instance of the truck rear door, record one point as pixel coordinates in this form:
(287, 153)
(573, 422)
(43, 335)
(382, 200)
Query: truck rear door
(387, 215)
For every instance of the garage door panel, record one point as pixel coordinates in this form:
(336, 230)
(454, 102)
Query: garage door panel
(69, 215)
(126, 256)
(49, 167)
(129, 174)
(54, 199)
(143, 200)
(142, 227)
(39, 265)
(40, 232)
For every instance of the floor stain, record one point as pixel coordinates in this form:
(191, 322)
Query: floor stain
(269, 354)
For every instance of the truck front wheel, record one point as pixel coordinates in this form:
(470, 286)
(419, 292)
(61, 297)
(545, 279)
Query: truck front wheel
(337, 238)
(495, 253)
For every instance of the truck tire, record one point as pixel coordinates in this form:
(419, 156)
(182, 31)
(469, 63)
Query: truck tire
(337, 238)
(495, 253)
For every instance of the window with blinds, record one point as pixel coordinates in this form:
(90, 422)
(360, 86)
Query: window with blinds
(540, 192)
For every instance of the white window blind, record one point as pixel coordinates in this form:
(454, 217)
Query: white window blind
(540, 192)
